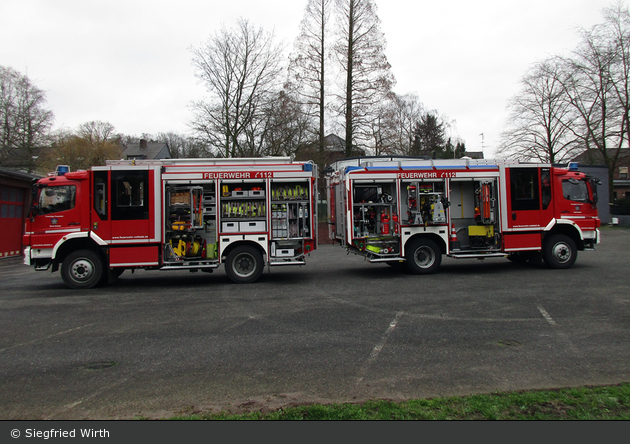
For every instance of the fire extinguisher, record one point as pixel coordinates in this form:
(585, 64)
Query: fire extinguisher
(385, 223)
(396, 226)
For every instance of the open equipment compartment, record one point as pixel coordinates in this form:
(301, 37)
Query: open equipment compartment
(243, 206)
(474, 214)
(376, 222)
(190, 223)
(291, 218)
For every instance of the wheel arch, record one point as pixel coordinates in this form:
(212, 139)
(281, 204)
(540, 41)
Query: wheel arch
(65, 247)
(239, 243)
(434, 237)
(568, 228)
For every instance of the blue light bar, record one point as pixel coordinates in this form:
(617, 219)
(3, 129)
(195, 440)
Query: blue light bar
(62, 170)
(573, 166)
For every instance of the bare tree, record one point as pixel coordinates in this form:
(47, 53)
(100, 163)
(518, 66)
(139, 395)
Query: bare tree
(182, 146)
(289, 128)
(598, 88)
(240, 68)
(541, 118)
(307, 67)
(24, 122)
(96, 131)
(81, 149)
(407, 110)
(360, 52)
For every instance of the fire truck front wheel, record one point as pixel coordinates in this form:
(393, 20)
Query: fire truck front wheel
(423, 256)
(82, 269)
(244, 264)
(560, 251)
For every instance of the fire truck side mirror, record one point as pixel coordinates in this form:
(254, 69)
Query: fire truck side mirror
(33, 212)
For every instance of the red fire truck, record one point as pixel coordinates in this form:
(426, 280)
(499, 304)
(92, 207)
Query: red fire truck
(414, 210)
(173, 214)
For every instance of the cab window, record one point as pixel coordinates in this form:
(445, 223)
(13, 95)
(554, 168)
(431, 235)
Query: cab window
(56, 199)
(100, 194)
(575, 190)
(130, 195)
(525, 189)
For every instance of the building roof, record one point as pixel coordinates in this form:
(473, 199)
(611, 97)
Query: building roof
(18, 175)
(594, 156)
(146, 150)
(474, 154)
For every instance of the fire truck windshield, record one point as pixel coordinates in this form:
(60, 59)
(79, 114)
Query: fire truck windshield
(56, 198)
(576, 190)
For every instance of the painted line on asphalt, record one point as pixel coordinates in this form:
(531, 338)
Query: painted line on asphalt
(72, 405)
(45, 337)
(377, 349)
(562, 335)
(546, 315)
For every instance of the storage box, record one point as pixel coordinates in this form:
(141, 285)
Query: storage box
(229, 227)
(285, 252)
(257, 193)
(251, 226)
(240, 193)
(481, 230)
(180, 198)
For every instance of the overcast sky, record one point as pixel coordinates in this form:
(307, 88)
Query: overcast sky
(129, 62)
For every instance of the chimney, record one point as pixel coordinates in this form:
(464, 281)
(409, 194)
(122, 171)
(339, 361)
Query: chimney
(143, 144)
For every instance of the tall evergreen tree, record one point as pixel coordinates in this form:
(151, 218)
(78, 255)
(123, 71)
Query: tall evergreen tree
(429, 137)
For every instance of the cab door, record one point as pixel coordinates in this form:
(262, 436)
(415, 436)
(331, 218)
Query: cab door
(523, 201)
(529, 208)
(130, 200)
(58, 212)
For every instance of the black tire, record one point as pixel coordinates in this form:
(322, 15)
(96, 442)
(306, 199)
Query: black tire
(82, 269)
(244, 264)
(423, 256)
(559, 251)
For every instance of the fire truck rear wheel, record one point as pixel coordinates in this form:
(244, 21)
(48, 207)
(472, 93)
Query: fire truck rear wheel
(423, 256)
(82, 269)
(244, 264)
(560, 251)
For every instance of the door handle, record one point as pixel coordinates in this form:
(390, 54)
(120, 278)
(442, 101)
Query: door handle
(74, 223)
(513, 216)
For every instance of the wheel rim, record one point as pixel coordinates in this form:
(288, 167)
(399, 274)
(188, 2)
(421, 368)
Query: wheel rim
(82, 270)
(561, 252)
(244, 265)
(424, 257)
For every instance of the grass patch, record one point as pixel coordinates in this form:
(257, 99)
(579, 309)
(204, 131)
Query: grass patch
(584, 403)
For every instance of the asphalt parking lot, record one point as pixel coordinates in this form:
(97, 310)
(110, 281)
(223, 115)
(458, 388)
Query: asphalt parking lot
(336, 330)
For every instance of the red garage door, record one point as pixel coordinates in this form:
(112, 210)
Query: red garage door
(11, 220)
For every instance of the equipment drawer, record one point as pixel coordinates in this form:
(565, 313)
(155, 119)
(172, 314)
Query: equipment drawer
(253, 226)
(229, 227)
(285, 252)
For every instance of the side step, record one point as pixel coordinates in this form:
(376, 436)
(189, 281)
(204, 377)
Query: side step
(476, 255)
(189, 267)
(280, 263)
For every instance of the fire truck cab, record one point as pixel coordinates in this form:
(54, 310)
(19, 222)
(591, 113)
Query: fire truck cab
(173, 214)
(415, 210)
